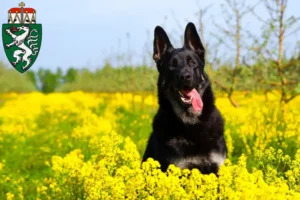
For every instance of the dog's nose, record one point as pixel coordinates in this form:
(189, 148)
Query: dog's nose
(185, 77)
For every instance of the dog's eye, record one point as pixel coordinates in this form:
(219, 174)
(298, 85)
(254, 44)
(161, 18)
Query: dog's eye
(192, 63)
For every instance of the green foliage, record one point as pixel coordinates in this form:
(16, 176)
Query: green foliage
(13, 81)
(262, 76)
(70, 75)
(49, 80)
(109, 79)
(135, 125)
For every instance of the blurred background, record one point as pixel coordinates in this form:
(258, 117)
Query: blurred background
(90, 45)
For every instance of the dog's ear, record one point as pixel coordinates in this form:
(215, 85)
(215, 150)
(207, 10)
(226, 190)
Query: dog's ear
(192, 40)
(161, 43)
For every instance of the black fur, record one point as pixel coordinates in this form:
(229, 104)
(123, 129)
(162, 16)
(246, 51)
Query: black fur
(180, 135)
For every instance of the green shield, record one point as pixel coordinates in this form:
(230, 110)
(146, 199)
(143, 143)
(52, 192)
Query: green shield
(22, 44)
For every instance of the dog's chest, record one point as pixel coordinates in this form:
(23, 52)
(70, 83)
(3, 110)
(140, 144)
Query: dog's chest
(198, 161)
(192, 155)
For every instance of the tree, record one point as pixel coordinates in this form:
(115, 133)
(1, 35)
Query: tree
(49, 80)
(70, 75)
(271, 48)
(234, 11)
(32, 77)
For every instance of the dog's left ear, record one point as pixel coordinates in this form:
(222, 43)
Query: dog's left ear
(161, 43)
(192, 40)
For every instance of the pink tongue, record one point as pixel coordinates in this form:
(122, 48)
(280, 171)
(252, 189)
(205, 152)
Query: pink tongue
(196, 101)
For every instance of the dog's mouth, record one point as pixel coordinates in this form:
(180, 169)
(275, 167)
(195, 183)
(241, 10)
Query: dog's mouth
(191, 97)
(185, 98)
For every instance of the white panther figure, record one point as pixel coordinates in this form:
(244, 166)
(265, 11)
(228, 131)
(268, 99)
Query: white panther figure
(19, 42)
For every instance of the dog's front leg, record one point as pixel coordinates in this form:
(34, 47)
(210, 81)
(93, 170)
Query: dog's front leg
(150, 151)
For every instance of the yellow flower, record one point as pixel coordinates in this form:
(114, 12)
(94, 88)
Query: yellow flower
(95, 159)
(9, 196)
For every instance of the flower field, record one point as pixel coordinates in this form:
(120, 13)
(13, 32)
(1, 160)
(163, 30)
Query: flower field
(89, 146)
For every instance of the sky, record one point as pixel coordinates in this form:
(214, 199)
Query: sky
(84, 33)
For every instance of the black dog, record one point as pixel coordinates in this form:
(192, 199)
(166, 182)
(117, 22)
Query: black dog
(188, 128)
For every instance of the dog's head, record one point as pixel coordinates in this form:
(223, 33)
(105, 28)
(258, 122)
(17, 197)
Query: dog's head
(181, 72)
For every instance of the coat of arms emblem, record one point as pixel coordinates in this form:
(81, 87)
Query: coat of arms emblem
(22, 37)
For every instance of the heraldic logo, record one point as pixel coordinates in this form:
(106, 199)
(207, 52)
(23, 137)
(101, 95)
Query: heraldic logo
(22, 37)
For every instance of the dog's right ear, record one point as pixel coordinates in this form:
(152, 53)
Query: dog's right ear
(192, 40)
(161, 43)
